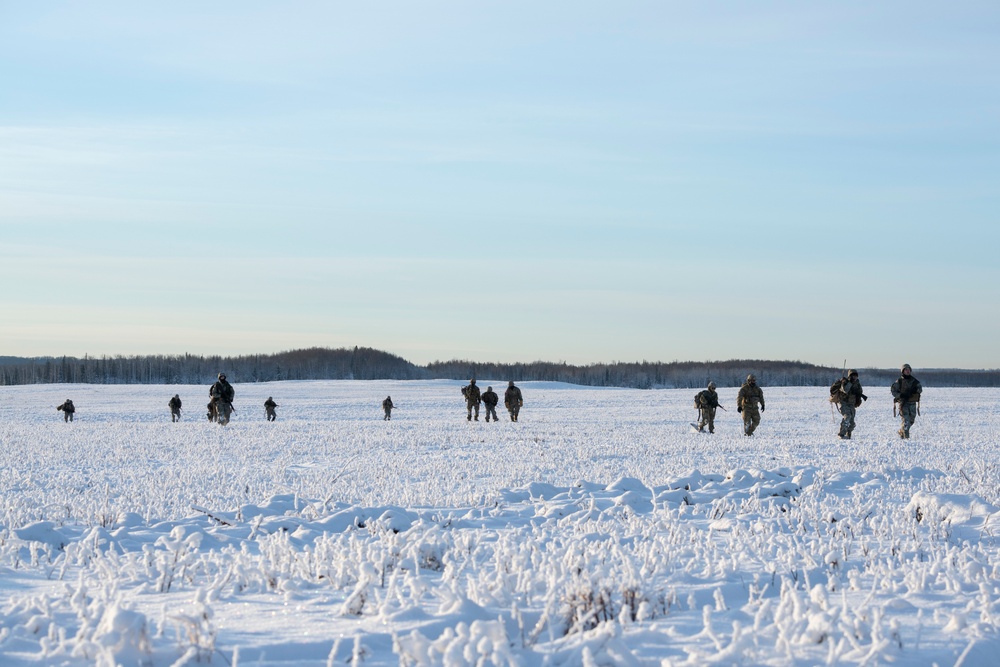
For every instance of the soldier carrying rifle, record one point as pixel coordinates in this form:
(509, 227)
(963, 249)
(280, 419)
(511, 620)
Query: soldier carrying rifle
(906, 395)
(847, 394)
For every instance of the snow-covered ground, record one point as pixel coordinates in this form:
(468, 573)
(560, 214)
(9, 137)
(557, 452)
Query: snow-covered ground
(598, 530)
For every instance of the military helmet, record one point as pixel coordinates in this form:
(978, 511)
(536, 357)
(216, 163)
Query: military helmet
(472, 381)
(222, 376)
(489, 389)
(711, 385)
(510, 383)
(852, 373)
(751, 378)
(906, 367)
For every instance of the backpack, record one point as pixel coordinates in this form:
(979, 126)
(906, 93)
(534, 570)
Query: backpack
(699, 400)
(465, 391)
(836, 391)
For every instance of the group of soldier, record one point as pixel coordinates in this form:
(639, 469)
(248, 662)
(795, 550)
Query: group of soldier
(512, 400)
(220, 403)
(221, 395)
(846, 393)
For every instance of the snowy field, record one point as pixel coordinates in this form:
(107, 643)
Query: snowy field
(598, 530)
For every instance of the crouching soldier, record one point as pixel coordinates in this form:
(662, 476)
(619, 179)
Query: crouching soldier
(848, 395)
(707, 401)
(175, 408)
(746, 403)
(472, 398)
(906, 394)
(269, 406)
(67, 408)
(512, 400)
(387, 407)
(490, 400)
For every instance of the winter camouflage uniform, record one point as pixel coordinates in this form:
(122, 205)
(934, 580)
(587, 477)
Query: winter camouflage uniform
(906, 392)
(67, 409)
(746, 402)
(848, 399)
(512, 400)
(175, 408)
(472, 398)
(707, 402)
(387, 408)
(269, 406)
(490, 400)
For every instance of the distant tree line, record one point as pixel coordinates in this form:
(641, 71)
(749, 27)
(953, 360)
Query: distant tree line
(359, 363)
(692, 374)
(362, 363)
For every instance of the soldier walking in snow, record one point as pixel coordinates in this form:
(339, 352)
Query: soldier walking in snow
(906, 393)
(512, 400)
(472, 398)
(67, 408)
(222, 394)
(490, 400)
(707, 401)
(387, 407)
(746, 403)
(848, 395)
(269, 406)
(175, 408)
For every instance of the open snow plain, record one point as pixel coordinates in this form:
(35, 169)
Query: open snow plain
(598, 530)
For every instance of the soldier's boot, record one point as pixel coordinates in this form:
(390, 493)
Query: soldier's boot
(902, 434)
(711, 430)
(469, 418)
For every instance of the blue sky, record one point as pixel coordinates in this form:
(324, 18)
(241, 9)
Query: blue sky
(503, 181)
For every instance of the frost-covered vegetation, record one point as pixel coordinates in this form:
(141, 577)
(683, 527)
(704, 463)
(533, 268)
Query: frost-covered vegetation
(597, 530)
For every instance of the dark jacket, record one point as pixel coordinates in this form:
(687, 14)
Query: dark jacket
(471, 393)
(222, 389)
(491, 398)
(707, 398)
(512, 397)
(906, 389)
(67, 406)
(749, 396)
(850, 392)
